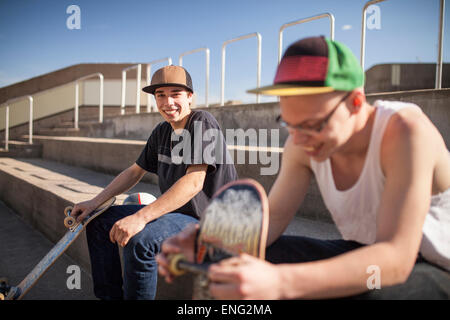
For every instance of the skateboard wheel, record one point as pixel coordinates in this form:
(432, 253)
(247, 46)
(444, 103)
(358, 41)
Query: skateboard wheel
(69, 222)
(173, 266)
(67, 211)
(2, 296)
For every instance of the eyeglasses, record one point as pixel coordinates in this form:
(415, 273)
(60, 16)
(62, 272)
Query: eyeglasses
(315, 128)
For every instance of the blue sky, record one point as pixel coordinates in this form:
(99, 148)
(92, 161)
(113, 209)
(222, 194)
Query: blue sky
(35, 40)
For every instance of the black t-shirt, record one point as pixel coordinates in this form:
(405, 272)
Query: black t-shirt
(169, 154)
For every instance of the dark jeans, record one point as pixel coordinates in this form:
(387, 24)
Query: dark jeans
(426, 280)
(140, 272)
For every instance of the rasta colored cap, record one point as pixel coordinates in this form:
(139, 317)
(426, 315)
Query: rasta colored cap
(170, 76)
(315, 65)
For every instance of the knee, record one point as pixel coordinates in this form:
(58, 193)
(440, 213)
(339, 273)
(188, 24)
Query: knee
(142, 246)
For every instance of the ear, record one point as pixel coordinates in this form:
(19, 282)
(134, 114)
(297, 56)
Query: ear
(190, 96)
(358, 99)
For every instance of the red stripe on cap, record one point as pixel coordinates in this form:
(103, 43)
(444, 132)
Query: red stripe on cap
(139, 198)
(302, 68)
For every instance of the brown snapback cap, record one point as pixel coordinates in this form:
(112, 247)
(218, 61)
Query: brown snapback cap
(170, 76)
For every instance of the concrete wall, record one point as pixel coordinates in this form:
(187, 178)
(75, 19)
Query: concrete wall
(62, 76)
(114, 155)
(435, 104)
(404, 76)
(62, 98)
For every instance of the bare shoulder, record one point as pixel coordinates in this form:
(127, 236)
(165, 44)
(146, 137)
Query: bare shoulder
(411, 126)
(410, 134)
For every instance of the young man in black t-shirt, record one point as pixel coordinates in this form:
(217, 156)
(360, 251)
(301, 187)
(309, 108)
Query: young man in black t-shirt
(188, 153)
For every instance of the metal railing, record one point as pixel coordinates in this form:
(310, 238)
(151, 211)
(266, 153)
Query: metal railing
(258, 63)
(148, 73)
(30, 127)
(293, 23)
(100, 106)
(441, 44)
(438, 80)
(138, 67)
(363, 30)
(180, 62)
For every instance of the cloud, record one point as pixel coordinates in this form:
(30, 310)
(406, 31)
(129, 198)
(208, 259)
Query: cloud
(347, 27)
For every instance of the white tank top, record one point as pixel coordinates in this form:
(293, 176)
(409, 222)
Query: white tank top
(354, 210)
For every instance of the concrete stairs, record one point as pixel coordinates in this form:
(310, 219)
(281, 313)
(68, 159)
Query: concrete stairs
(22, 149)
(67, 166)
(38, 190)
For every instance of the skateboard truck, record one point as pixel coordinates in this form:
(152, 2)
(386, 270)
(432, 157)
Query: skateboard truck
(7, 292)
(4, 288)
(179, 266)
(69, 221)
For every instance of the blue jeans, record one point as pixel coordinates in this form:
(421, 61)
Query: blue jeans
(426, 281)
(140, 272)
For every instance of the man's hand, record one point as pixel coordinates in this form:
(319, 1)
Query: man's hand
(82, 209)
(124, 229)
(183, 243)
(245, 277)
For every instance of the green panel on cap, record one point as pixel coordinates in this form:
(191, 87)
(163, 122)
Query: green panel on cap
(344, 72)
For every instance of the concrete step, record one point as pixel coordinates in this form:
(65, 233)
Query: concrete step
(59, 131)
(114, 155)
(21, 149)
(39, 190)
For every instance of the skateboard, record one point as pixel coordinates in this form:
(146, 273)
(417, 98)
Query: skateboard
(234, 222)
(75, 228)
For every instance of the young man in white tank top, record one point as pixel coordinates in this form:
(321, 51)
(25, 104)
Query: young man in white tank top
(384, 173)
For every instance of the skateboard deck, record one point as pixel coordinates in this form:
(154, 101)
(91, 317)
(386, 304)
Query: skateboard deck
(234, 222)
(75, 229)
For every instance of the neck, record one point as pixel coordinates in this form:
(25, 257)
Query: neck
(179, 125)
(359, 140)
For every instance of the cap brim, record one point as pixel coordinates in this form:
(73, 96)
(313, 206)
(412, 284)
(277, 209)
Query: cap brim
(289, 90)
(152, 88)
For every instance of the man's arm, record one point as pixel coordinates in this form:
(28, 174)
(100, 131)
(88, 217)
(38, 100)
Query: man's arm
(177, 196)
(407, 160)
(288, 191)
(126, 180)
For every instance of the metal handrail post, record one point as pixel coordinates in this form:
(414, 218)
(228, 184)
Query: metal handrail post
(207, 53)
(30, 127)
(7, 128)
(441, 44)
(148, 73)
(138, 68)
(30, 119)
(76, 105)
(101, 93)
(100, 111)
(258, 63)
(138, 88)
(293, 23)
(363, 30)
(124, 84)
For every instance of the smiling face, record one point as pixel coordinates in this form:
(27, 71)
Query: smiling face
(319, 123)
(174, 105)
